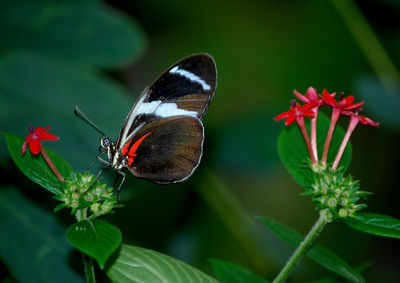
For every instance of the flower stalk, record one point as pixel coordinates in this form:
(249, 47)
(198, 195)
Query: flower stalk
(334, 118)
(355, 118)
(300, 122)
(51, 165)
(314, 134)
(303, 247)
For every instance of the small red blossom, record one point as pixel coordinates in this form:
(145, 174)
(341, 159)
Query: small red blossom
(35, 137)
(344, 103)
(296, 112)
(364, 120)
(312, 96)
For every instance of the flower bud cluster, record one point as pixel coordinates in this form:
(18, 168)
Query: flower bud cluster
(82, 193)
(336, 193)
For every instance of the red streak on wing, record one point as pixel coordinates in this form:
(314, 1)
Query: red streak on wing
(132, 152)
(125, 149)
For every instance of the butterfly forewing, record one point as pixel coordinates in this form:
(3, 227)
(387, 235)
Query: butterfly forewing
(190, 83)
(184, 89)
(171, 150)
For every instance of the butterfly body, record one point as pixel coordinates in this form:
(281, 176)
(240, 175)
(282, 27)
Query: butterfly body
(162, 136)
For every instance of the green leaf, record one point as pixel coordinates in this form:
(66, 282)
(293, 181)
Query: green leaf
(317, 253)
(50, 91)
(294, 154)
(74, 31)
(227, 272)
(32, 242)
(96, 237)
(376, 224)
(135, 264)
(35, 167)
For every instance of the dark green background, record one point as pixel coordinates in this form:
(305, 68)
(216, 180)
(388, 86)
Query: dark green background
(101, 55)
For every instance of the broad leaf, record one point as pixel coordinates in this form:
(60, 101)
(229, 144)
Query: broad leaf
(96, 237)
(135, 264)
(32, 242)
(376, 224)
(294, 154)
(75, 31)
(47, 97)
(227, 272)
(35, 167)
(317, 253)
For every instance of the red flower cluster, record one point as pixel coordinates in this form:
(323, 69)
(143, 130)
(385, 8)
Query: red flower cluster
(341, 107)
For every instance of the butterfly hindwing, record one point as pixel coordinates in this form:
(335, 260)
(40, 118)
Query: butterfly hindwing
(184, 89)
(171, 150)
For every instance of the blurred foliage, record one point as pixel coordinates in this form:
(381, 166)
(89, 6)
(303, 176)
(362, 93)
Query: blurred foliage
(58, 54)
(33, 243)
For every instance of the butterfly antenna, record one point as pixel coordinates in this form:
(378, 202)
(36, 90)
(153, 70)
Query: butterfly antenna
(80, 114)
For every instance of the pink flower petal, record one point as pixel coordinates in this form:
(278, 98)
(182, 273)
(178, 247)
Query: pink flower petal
(312, 94)
(301, 97)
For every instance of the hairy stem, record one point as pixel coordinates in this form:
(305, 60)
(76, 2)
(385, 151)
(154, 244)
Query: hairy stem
(302, 248)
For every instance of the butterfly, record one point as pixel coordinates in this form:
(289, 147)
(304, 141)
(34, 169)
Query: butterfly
(162, 137)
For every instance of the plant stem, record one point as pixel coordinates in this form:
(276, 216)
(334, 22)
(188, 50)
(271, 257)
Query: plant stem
(352, 125)
(314, 134)
(89, 269)
(334, 118)
(303, 247)
(300, 123)
(51, 165)
(81, 214)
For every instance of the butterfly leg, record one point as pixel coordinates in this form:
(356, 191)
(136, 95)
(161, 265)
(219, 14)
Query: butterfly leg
(120, 173)
(97, 158)
(99, 173)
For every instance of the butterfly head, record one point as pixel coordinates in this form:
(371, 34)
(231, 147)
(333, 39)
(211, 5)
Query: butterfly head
(107, 145)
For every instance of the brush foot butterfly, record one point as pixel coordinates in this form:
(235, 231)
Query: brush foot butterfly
(162, 136)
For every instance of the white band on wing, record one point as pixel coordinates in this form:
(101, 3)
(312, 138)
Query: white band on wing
(163, 109)
(190, 76)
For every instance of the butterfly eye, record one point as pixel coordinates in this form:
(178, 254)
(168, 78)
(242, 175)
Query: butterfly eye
(105, 142)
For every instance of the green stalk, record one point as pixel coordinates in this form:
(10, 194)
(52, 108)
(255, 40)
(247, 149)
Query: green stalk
(302, 248)
(89, 269)
(367, 40)
(81, 214)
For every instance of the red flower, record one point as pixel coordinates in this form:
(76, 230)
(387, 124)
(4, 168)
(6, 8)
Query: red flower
(364, 120)
(35, 137)
(312, 96)
(296, 112)
(344, 103)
